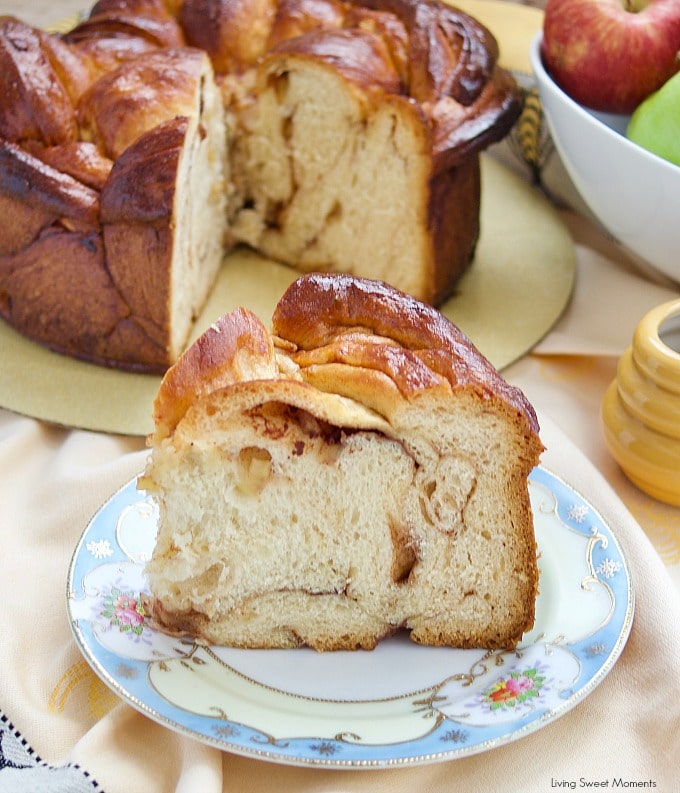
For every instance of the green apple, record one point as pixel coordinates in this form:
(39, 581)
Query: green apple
(655, 123)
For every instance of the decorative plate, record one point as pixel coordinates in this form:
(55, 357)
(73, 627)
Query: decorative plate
(398, 704)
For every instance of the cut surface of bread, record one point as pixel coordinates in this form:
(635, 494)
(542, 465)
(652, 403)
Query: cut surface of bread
(335, 177)
(358, 470)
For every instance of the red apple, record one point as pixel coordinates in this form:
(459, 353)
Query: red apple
(611, 54)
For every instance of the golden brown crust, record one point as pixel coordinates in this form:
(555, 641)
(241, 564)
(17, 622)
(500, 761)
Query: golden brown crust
(319, 309)
(35, 104)
(236, 34)
(460, 131)
(58, 288)
(234, 348)
(297, 17)
(360, 57)
(138, 96)
(453, 211)
(141, 185)
(372, 353)
(101, 55)
(35, 184)
(73, 68)
(147, 19)
(82, 160)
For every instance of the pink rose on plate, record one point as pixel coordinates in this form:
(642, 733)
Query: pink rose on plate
(129, 611)
(516, 685)
(124, 610)
(516, 689)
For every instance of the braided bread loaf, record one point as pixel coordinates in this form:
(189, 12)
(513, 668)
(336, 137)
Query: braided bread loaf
(135, 149)
(361, 470)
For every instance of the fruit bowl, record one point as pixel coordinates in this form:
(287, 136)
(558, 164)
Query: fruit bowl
(634, 194)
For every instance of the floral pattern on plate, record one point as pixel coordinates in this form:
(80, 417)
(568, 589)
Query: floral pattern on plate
(400, 703)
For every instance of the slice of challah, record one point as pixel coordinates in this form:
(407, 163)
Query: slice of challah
(361, 469)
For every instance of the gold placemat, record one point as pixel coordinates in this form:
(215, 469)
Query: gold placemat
(518, 286)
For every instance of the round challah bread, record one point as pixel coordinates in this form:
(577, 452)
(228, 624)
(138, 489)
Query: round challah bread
(359, 470)
(140, 146)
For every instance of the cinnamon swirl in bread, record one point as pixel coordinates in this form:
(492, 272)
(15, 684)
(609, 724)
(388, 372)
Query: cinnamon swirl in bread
(139, 147)
(358, 470)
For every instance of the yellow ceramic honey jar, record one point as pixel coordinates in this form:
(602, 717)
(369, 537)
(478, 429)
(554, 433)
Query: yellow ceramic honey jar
(641, 407)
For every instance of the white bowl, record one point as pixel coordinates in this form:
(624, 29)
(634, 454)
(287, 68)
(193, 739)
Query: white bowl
(633, 193)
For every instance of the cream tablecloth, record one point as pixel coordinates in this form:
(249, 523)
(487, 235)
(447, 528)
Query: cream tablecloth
(58, 718)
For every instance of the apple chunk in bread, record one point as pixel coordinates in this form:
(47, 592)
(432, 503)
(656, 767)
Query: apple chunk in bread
(361, 469)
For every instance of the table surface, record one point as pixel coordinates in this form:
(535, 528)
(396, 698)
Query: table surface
(52, 480)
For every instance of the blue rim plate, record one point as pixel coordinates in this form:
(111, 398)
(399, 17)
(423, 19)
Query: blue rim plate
(400, 704)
